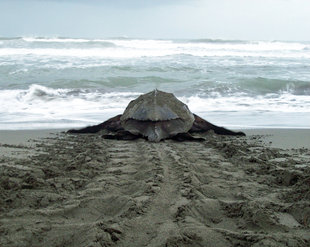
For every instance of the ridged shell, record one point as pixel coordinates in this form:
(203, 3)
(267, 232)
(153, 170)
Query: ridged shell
(157, 115)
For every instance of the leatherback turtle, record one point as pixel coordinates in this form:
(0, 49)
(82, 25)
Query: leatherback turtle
(156, 115)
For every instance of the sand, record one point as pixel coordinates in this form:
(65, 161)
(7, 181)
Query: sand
(283, 138)
(82, 190)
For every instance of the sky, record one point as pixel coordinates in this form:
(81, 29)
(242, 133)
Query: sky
(157, 19)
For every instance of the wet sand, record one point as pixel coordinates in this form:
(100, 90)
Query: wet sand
(82, 190)
(283, 138)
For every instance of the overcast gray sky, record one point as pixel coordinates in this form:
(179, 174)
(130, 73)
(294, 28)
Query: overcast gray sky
(225, 19)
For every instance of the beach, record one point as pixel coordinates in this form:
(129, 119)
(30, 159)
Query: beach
(59, 189)
(227, 81)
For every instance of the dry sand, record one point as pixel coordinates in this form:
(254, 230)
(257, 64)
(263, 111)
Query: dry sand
(82, 190)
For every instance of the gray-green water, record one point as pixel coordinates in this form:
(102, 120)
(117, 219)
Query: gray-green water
(63, 82)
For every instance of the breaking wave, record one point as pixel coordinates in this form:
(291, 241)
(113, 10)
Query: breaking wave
(80, 107)
(136, 48)
(70, 82)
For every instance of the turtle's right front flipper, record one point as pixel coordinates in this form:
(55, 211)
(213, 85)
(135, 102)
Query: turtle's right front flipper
(201, 125)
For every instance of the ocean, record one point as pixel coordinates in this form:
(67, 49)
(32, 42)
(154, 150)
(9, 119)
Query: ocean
(68, 82)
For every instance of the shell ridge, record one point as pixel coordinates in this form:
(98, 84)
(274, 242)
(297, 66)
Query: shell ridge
(157, 115)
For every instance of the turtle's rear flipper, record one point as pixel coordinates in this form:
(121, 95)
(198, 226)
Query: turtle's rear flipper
(201, 125)
(186, 137)
(122, 135)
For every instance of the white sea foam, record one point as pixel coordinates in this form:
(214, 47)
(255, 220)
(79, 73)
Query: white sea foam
(60, 40)
(139, 53)
(159, 48)
(92, 52)
(285, 103)
(58, 107)
(66, 82)
(72, 108)
(209, 44)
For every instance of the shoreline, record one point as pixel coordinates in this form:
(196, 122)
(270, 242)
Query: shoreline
(282, 137)
(285, 138)
(23, 137)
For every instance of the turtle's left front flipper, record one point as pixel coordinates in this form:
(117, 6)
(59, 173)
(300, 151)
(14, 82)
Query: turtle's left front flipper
(113, 124)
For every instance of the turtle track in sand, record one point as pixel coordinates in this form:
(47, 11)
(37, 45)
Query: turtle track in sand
(86, 191)
(238, 195)
(158, 221)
